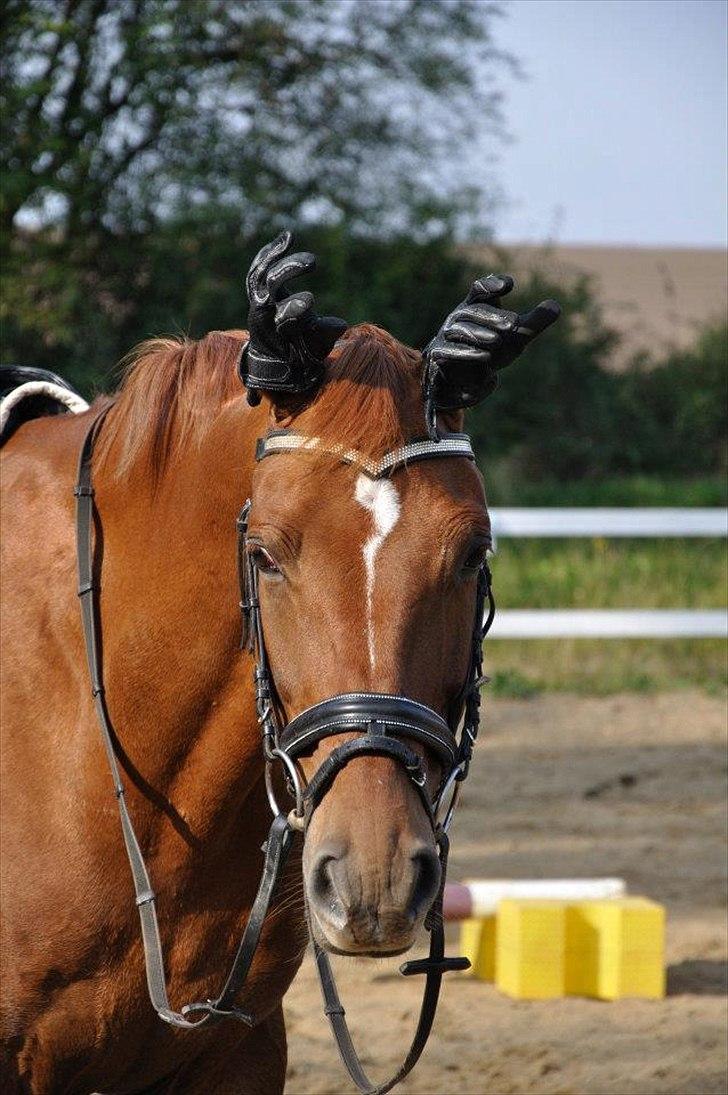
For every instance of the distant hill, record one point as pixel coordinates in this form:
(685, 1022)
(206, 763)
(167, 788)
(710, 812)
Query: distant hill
(655, 297)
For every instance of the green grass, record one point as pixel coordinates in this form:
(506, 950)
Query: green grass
(601, 573)
(608, 574)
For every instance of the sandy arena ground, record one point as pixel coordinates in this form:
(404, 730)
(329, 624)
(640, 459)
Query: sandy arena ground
(632, 786)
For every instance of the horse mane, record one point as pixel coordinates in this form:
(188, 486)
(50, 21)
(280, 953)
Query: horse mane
(170, 393)
(173, 388)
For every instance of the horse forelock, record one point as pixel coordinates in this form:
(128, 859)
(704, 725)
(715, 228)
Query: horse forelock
(371, 400)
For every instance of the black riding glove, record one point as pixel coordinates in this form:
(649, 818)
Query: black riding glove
(476, 341)
(289, 342)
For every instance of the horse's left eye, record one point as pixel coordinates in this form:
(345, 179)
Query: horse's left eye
(262, 560)
(476, 557)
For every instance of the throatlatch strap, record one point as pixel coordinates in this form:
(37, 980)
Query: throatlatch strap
(280, 836)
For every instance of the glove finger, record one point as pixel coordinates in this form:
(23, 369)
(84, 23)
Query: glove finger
(324, 332)
(291, 310)
(488, 289)
(292, 266)
(484, 315)
(457, 353)
(473, 334)
(255, 280)
(330, 325)
(537, 320)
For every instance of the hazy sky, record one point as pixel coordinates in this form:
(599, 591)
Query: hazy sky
(620, 128)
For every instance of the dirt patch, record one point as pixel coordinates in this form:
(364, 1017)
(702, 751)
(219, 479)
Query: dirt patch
(566, 786)
(673, 291)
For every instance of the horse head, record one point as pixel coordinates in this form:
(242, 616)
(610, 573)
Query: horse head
(365, 545)
(367, 586)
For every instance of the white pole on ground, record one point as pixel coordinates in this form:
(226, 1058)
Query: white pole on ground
(480, 897)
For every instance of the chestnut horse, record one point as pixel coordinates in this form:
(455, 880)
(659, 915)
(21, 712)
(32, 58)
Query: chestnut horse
(361, 589)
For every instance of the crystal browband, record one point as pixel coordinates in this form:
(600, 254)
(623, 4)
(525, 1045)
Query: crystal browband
(450, 444)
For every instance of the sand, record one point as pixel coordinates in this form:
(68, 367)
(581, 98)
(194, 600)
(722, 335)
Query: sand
(632, 786)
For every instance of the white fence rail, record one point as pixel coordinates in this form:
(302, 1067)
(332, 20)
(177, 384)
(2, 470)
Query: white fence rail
(609, 623)
(609, 522)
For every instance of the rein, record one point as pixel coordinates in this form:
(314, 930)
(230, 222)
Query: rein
(386, 718)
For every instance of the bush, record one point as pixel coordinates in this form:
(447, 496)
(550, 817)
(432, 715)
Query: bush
(187, 277)
(561, 415)
(555, 411)
(675, 409)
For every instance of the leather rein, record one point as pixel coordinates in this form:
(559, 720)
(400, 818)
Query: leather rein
(387, 719)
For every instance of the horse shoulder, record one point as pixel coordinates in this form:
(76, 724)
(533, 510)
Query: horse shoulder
(44, 716)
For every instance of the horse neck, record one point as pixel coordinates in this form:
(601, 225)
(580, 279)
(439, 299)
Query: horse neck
(179, 689)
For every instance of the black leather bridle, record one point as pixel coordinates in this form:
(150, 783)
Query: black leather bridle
(380, 722)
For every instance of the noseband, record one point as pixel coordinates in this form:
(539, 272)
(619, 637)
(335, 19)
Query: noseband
(383, 725)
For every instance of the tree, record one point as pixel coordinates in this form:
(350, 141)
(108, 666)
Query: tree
(135, 125)
(118, 112)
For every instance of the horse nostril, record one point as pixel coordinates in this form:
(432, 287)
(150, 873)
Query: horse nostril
(321, 882)
(427, 873)
(322, 887)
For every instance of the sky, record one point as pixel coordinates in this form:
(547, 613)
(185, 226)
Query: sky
(619, 129)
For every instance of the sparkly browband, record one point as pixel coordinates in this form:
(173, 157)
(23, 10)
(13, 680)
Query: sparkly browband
(450, 444)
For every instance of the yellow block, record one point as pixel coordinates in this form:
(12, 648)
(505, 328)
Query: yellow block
(616, 948)
(477, 942)
(530, 949)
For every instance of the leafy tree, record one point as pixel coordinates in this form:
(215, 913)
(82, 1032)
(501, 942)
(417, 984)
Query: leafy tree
(138, 132)
(118, 112)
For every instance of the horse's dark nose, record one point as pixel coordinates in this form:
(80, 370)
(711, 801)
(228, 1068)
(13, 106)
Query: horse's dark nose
(365, 908)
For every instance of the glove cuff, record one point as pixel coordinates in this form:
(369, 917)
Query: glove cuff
(469, 386)
(260, 373)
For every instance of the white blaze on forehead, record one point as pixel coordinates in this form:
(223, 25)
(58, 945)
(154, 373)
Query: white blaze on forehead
(380, 497)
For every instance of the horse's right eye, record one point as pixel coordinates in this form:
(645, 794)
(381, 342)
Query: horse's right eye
(263, 560)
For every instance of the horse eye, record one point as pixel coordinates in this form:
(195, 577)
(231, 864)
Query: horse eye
(262, 560)
(476, 557)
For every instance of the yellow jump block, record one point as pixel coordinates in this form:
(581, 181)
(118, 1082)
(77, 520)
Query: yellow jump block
(477, 942)
(530, 949)
(545, 949)
(615, 949)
